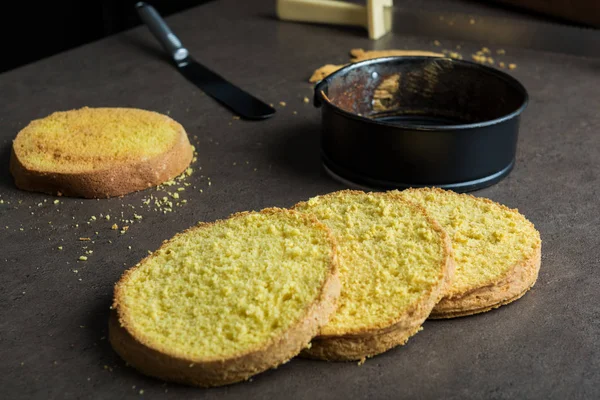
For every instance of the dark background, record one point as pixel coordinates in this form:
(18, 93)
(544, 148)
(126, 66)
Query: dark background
(35, 30)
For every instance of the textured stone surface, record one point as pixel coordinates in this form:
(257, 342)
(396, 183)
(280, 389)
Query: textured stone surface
(53, 320)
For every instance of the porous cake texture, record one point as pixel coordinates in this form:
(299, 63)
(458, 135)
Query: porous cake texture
(497, 251)
(99, 152)
(395, 264)
(223, 301)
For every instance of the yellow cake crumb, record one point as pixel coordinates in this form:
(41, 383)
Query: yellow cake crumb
(119, 134)
(207, 294)
(487, 238)
(390, 255)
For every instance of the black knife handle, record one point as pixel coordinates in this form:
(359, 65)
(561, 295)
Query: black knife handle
(161, 31)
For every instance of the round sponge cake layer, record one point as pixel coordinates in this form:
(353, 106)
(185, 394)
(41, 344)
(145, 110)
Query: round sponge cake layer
(496, 250)
(223, 301)
(82, 140)
(99, 152)
(394, 267)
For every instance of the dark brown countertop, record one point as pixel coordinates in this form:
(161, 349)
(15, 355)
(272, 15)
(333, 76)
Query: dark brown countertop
(53, 320)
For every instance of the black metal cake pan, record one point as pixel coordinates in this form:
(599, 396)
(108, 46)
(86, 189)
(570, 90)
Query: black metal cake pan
(398, 122)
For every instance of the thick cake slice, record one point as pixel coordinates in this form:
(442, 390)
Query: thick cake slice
(497, 251)
(224, 301)
(395, 263)
(99, 152)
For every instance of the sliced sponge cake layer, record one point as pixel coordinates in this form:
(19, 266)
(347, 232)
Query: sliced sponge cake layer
(99, 152)
(394, 266)
(496, 249)
(221, 302)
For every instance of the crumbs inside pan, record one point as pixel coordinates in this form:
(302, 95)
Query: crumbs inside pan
(438, 90)
(376, 92)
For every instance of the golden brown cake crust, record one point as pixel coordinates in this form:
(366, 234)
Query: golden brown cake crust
(116, 180)
(507, 288)
(511, 287)
(370, 342)
(130, 345)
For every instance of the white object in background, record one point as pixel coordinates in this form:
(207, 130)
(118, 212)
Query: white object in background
(375, 16)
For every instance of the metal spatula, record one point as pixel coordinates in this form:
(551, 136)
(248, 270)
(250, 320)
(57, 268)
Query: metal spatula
(231, 96)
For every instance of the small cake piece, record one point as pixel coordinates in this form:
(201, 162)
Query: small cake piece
(324, 71)
(224, 301)
(395, 264)
(497, 251)
(362, 55)
(99, 152)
